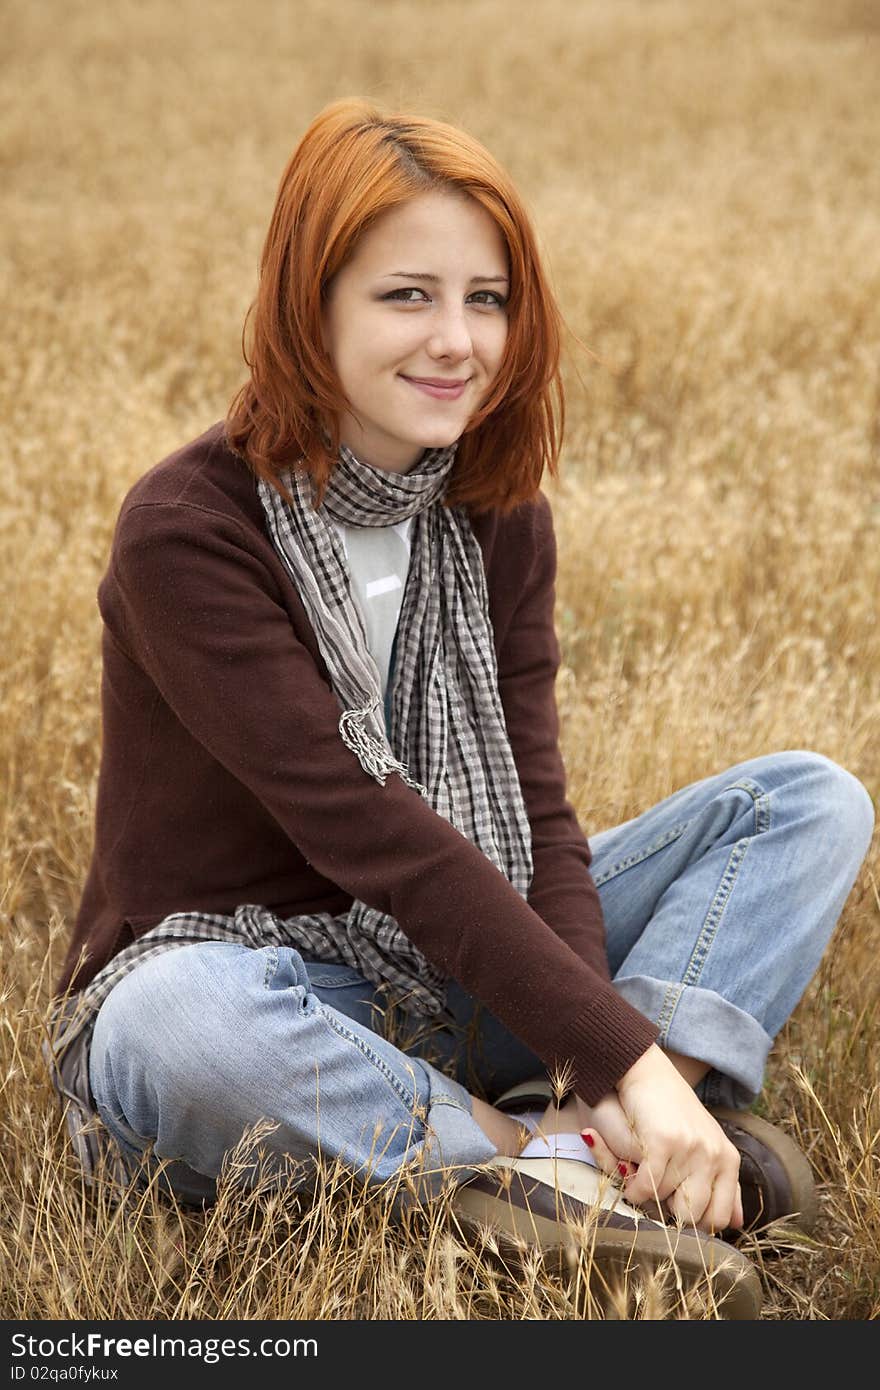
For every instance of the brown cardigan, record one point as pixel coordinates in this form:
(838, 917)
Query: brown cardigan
(224, 779)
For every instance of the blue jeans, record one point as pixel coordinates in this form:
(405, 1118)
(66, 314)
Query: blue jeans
(718, 905)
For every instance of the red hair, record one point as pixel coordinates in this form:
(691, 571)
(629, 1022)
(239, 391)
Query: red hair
(354, 163)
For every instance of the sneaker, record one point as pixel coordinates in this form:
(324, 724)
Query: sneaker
(775, 1176)
(561, 1206)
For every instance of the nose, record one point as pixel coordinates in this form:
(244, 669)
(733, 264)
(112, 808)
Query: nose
(450, 335)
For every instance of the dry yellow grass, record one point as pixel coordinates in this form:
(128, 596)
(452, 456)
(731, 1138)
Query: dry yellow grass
(705, 185)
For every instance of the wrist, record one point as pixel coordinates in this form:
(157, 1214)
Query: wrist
(647, 1065)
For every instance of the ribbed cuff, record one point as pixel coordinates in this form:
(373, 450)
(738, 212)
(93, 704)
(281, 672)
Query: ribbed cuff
(603, 1043)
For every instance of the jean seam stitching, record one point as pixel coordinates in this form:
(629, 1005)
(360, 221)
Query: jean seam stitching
(324, 982)
(271, 965)
(761, 799)
(667, 1011)
(712, 922)
(371, 1056)
(667, 838)
(443, 1099)
(761, 802)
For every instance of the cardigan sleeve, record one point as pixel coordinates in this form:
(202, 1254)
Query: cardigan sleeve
(201, 615)
(562, 890)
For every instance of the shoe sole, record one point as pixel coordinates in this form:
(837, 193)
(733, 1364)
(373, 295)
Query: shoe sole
(804, 1203)
(616, 1247)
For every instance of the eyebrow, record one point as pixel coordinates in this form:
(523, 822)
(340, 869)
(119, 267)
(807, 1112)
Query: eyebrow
(435, 279)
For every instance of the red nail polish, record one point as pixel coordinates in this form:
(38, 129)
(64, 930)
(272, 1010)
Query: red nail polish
(621, 1168)
(588, 1140)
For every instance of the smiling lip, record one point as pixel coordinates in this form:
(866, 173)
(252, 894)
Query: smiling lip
(439, 388)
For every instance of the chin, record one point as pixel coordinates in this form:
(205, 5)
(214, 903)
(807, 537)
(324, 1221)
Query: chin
(440, 439)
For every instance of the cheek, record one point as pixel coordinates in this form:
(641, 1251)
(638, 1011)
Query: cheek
(375, 346)
(351, 356)
(393, 340)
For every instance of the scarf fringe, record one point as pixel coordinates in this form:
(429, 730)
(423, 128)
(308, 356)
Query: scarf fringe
(373, 756)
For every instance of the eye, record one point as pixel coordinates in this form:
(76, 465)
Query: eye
(410, 289)
(493, 297)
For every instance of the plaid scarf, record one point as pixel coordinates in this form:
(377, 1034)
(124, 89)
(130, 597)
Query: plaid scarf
(448, 738)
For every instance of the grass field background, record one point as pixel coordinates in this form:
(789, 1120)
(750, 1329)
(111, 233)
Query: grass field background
(704, 183)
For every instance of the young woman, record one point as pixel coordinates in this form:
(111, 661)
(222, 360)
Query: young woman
(331, 779)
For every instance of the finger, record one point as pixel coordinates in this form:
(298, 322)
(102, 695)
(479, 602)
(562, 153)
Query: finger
(655, 1179)
(725, 1204)
(738, 1217)
(690, 1201)
(607, 1118)
(721, 1208)
(606, 1160)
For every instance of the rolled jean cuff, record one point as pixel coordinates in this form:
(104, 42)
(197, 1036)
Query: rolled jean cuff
(700, 1023)
(454, 1144)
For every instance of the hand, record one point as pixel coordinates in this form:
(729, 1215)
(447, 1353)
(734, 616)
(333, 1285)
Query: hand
(685, 1160)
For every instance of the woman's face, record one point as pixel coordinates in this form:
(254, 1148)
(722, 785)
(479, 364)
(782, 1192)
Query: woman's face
(423, 296)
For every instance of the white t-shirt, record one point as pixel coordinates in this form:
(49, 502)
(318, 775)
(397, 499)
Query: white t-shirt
(378, 558)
